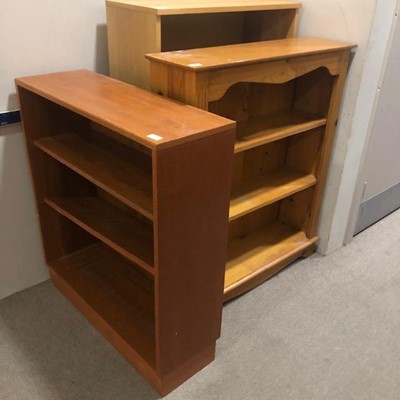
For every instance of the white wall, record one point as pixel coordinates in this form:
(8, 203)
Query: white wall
(36, 37)
(381, 169)
(378, 72)
(347, 20)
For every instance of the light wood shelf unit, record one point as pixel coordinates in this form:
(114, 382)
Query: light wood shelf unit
(285, 96)
(137, 27)
(115, 172)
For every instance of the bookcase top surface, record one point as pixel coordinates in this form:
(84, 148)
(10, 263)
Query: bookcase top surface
(246, 53)
(144, 117)
(175, 7)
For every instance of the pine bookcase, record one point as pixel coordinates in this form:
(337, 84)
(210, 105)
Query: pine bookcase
(285, 96)
(132, 191)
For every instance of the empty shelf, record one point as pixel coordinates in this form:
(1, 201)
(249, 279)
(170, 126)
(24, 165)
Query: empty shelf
(124, 233)
(258, 131)
(119, 177)
(254, 193)
(260, 250)
(112, 292)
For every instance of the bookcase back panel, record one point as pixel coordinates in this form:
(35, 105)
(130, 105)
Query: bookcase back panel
(132, 155)
(62, 236)
(300, 152)
(259, 160)
(119, 138)
(121, 206)
(269, 25)
(182, 32)
(60, 181)
(313, 92)
(293, 211)
(253, 221)
(303, 151)
(189, 31)
(296, 210)
(72, 237)
(234, 104)
(303, 98)
(46, 118)
(246, 100)
(268, 99)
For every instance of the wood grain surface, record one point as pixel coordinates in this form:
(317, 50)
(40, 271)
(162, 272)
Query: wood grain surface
(247, 53)
(174, 7)
(130, 111)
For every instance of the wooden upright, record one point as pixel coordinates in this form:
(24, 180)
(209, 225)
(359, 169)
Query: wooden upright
(133, 195)
(285, 95)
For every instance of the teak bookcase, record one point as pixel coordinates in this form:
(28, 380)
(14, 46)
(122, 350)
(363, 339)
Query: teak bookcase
(137, 27)
(285, 95)
(133, 196)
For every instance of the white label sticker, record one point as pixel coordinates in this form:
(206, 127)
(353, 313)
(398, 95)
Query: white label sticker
(195, 65)
(155, 137)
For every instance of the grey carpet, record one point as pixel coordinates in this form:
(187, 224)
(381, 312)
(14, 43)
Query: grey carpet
(325, 328)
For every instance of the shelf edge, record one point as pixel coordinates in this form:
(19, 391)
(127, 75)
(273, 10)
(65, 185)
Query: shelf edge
(266, 271)
(311, 183)
(244, 145)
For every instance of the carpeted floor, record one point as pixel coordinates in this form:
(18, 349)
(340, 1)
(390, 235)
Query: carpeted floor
(327, 328)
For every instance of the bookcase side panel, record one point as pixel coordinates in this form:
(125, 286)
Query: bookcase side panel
(192, 188)
(326, 148)
(131, 35)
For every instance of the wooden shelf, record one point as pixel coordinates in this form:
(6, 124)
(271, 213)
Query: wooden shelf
(275, 89)
(121, 178)
(124, 233)
(110, 290)
(261, 250)
(262, 190)
(258, 131)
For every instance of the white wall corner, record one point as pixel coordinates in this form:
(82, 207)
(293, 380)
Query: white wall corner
(343, 194)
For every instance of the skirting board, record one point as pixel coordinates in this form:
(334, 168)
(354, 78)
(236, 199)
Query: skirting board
(378, 207)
